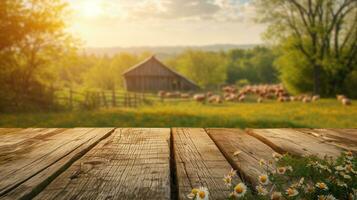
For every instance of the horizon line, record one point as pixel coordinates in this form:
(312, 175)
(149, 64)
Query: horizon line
(184, 45)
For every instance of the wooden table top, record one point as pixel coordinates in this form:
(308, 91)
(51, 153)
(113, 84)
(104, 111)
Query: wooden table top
(146, 163)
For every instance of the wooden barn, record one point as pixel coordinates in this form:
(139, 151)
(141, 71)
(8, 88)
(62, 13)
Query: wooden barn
(151, 76)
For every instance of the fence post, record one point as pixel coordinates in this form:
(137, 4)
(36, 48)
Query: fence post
(125, 100)
(113, 98)
(142, 98)
(52, 93)
(104, 99)
(135, 100)
(70, 98)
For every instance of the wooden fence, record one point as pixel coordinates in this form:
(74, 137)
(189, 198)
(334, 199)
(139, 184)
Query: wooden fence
(91, 99)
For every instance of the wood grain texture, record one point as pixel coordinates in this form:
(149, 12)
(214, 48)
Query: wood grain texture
(342, 138)
(9, 130)
(295, 142)
(199, 162)
(129, 164)
(251, 151)
(39, 157)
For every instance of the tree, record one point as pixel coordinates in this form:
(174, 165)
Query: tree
(254, 65)
(324, 32)
(207, 69)
(32, 35)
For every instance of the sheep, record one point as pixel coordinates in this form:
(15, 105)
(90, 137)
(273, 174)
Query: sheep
(315, 97)
(199, 97)
(185, 95)
(170, 95)
(219, 99)
(292, 98)
(215, 99)
(231, 97)
(306, 99)
(284, 99)
(340, 97)
(346, 102)
(260, 100)
(161, 93)
(241, 98)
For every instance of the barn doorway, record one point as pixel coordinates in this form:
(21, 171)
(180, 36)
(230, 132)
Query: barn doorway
(175, 84)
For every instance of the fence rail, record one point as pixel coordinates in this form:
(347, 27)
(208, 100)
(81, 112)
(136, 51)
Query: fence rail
(110, 98)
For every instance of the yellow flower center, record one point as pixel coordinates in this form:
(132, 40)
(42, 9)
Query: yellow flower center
(290, 191)
(239, 189)
(194, 191)
(263, 179)
(227, 180)
(202, 194)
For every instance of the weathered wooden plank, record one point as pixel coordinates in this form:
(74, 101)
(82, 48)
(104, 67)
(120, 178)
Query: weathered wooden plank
(15, 141)
(251, 151)
(295, 142)
(199, 163)
(9, 130)
(342, 138)
(129, 164)
(36, 155)
(13, 136)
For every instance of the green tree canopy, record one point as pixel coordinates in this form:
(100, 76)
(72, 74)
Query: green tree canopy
(207, 69)
(324, 32)
(32, 35)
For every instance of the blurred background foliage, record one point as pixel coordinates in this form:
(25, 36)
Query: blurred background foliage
(37, 54)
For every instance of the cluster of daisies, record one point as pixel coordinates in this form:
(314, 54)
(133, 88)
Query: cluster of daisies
(311, 178)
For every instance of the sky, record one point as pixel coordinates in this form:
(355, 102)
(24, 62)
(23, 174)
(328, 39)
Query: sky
(126, 23)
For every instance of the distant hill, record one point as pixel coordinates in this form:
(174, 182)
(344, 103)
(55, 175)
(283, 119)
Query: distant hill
(164, 51)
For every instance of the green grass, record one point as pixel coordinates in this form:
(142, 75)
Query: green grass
(326, 113)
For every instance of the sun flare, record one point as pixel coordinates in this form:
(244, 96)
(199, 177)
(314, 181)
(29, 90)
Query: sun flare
(90, 8)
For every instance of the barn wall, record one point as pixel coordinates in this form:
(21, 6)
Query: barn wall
(153, 76)
(156, 83)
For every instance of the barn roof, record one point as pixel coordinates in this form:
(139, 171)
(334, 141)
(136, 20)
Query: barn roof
(131, 71)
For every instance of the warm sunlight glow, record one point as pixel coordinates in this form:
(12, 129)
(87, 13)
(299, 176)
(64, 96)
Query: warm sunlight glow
(90, 8)
(107, 23)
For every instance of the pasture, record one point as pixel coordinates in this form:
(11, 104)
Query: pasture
(325, 113)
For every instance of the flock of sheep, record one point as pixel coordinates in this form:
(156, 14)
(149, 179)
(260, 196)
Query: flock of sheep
(262, 92)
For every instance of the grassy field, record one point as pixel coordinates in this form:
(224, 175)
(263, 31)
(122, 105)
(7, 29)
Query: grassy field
(326, 113)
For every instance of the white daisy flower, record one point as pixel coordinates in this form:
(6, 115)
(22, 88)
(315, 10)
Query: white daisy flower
(281, 170)
(193, 193)
(232, 173)
(321, 186)
(349, 155)
(261, 190)
(240, 189)
(262, 162)
(277, 156)
(291, 192)
(227, 180)
(264, 179)
(202, 194)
